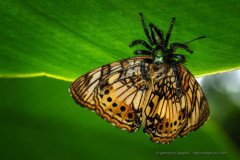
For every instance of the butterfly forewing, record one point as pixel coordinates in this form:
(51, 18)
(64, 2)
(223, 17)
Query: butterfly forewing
(115, 91)
(82, 90)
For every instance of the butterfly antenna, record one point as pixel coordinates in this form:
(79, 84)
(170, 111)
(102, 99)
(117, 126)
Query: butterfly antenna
(195, 39)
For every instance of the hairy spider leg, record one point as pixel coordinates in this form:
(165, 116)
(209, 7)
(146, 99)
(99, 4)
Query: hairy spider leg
(139, 51)
(175, 46)
(157, 35)
(145, 29)
(169, 32)
(140, 42)
(181, 58)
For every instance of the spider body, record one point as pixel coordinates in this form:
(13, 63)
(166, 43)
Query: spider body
(161, 52)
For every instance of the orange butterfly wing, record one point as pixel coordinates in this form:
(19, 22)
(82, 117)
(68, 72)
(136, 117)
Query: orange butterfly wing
(165, 112)
(115, 91)
(168, 113)
(119, 94)
(197, 105)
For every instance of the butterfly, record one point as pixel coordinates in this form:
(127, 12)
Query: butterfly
(153, 90)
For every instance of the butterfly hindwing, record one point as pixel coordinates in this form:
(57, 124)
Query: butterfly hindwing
(198, 110)
(166, 109)
(115, 91)
(169, 113)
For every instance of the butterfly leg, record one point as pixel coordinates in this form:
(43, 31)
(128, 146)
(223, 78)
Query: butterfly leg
(143, 84)
(146, 79)
(178, 80)
(144, 72)
(181, 59)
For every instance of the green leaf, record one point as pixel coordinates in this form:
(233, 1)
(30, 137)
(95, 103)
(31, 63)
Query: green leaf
(42, 122)
(64, 39)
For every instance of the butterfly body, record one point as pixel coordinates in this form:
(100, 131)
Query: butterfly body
(154, 91)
